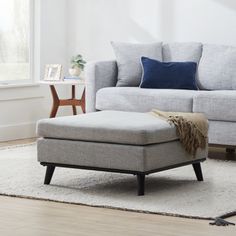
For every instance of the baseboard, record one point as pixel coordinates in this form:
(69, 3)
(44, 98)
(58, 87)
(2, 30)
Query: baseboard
(18, 131)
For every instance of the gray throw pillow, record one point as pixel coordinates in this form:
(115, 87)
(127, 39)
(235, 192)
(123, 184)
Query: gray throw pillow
(217, 68)
(128, 57)
(182, 52)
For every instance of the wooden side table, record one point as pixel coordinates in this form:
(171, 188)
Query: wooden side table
(73, 102)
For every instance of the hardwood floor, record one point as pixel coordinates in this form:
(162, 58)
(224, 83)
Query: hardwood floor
(33, 217)
(41, 218)
(17, 142)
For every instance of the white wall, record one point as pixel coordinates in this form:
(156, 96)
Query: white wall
(20, 108)
(94, 23)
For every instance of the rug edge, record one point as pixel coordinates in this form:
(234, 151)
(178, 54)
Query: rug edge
(109, 207)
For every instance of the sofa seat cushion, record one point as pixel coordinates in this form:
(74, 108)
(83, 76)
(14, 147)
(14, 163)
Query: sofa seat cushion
(144, 100)
(109, 127)
(217, 105)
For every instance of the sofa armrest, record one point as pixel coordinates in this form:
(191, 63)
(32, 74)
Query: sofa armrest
(99, 75)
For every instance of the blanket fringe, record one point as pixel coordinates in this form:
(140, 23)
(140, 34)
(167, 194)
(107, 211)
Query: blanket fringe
(190, 136)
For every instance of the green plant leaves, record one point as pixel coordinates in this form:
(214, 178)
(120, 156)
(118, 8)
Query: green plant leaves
(78, 61)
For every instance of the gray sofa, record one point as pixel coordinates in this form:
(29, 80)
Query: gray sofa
(216, 98)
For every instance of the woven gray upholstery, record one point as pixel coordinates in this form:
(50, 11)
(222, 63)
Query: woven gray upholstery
(217, 70)
(110, 127)
(222, 132)
(128, 57)
(144, 100)
(113, 156)
(182, 52)
(98, 75)
(216, 105)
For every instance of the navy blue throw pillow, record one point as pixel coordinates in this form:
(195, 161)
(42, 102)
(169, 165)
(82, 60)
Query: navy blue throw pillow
(168, 75)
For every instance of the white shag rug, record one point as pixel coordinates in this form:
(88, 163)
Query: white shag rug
(173, 192)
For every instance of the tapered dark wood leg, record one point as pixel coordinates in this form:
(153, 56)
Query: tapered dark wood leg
(49, 174)
(230, 150)
(198, 171)
(141, 184)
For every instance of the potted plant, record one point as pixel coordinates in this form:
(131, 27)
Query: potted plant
(77, 65)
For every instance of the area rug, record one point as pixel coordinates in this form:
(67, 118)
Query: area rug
(174, 192)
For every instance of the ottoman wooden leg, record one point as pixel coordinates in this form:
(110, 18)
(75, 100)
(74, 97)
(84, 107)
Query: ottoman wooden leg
(141, 184)
(49, 173)
(198, 171)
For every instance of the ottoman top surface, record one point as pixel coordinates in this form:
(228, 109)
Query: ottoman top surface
(109, 127)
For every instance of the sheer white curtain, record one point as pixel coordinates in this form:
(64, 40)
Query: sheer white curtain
(14, 40)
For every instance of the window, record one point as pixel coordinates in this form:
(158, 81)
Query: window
(15, 58)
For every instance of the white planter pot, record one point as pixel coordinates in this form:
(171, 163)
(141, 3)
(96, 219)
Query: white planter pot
(75, 71)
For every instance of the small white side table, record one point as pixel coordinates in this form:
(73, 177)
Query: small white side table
(57, 102)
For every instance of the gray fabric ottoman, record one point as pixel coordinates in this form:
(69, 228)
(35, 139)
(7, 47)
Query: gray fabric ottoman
(114, 141)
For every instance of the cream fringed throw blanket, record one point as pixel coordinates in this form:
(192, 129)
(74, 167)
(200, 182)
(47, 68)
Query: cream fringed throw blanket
(192, 128)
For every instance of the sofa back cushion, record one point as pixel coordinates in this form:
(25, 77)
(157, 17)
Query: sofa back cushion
(181, 52)
(217, 68)
(128, 61)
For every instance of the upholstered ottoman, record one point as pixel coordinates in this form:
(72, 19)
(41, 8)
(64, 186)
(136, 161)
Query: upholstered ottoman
(114, 141)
